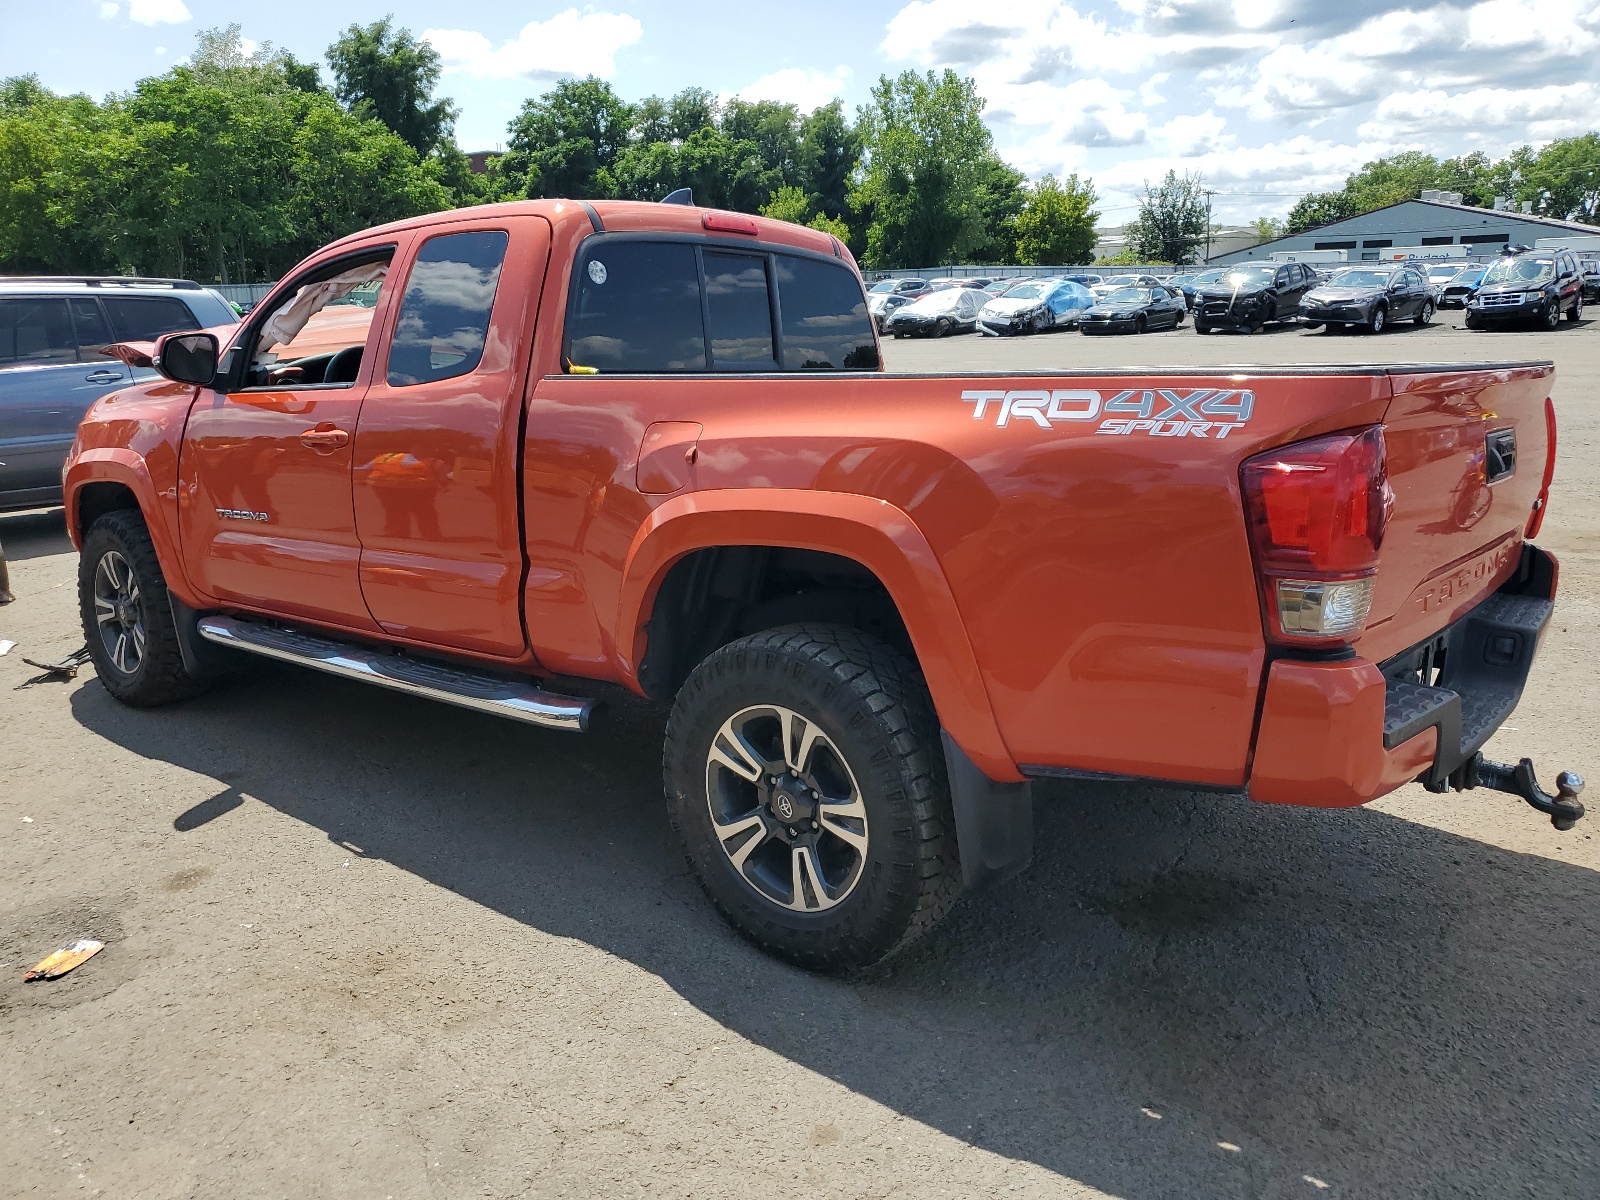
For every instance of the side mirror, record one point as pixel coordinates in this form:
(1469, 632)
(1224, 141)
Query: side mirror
(187, 357)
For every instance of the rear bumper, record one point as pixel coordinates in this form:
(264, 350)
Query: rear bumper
(1337, 734)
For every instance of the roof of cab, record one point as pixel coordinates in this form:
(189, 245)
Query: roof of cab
(626, 216)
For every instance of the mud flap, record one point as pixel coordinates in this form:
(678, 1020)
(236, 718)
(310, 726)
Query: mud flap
(994, 821)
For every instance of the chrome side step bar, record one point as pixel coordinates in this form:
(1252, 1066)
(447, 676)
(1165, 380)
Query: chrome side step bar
(452, 685)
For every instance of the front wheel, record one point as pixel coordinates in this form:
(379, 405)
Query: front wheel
(942, 329)
(1425, 314)
(1552, 314)
(1139, 325)
(1380, 318)
(1201, 327)
(805, 775)
(127, 617)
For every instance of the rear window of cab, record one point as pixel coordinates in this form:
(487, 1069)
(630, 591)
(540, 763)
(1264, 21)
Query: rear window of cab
(642, 305)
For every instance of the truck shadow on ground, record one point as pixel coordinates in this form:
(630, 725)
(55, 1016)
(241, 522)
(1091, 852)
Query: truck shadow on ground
(1342, 998)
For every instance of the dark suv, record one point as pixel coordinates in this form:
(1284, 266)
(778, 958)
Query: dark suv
(51, 368)
(1248, 296)
(1532, 285)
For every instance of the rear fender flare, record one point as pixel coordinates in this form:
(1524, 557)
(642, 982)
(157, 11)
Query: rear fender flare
(872, 532)
(115, 464)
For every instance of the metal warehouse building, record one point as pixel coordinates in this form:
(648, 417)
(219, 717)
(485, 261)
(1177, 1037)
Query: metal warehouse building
(1431, 228)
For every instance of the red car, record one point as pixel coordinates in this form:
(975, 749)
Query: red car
(651, 445)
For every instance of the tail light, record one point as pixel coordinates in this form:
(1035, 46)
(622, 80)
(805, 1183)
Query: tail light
(1316, 511)
(1543, 502)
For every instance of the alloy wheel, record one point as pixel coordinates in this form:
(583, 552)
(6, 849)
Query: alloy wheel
(786, 808)
(118, 612)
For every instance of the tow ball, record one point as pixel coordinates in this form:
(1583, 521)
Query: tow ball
(1563, 808)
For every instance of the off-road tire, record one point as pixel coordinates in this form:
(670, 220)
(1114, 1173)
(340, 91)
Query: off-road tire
(160, 676)
(872, 704)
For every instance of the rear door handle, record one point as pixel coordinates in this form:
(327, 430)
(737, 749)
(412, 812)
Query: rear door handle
(103, 376)
(325, 439)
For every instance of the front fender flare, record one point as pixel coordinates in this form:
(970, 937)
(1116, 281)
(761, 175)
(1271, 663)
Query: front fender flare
(116, 464)
(870, 531)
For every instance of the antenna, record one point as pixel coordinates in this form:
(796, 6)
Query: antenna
(681, 196)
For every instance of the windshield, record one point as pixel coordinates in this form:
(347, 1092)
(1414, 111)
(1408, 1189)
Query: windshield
(1361, 279)
(1521, 270)
(884, 285)
(1249, 276)
(1025, 291)
(1207, 277)
(1438, 274)
(1128, 296)
(1471, 275)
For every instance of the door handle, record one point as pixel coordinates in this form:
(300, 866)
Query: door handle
(103, 377)
(325, 439)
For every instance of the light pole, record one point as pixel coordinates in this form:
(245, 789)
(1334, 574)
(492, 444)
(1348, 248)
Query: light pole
(1208, 194)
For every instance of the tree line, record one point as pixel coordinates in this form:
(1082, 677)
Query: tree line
(236, 164)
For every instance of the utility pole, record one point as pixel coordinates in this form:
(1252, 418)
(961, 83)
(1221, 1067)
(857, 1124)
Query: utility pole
(1208, 193)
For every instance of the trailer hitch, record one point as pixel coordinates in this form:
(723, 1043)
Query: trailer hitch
(1563, 808)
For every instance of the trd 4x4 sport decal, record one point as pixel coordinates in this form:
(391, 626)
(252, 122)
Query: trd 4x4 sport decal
(1158, 412)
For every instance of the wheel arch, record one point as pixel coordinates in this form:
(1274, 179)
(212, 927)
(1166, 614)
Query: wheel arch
(872, 534)
(108, 479)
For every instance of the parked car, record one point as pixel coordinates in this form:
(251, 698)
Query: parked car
(1456, 293)
(52, 368)
(1106, 286)
(1591, 279)
(1088, 281)
(1195, 282)
(1134, 310)
(1034, 305)
(938, 314)
(979, 283)
(1535, 285)
(1369, 297)
(1247, 297)
(876, 606)
(1440, 274)
(889, 294)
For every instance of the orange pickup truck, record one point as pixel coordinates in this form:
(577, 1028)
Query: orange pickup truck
(485, 456)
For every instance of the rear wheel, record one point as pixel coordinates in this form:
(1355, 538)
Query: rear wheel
(127, 617)
(1575, 313)
(1425, 314)
(805, 776)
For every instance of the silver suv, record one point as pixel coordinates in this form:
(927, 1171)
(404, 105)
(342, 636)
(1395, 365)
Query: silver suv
(51, 368)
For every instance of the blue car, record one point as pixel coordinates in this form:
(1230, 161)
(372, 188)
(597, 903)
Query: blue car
(51, 368)
(1034, 305)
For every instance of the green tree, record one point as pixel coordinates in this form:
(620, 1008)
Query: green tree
(385, 73)
(1057, 225)
(1318, 208)
(926, 151)
(1171, 224)
(1266, 229)
(830, 150)
(1564, 179)
(568, 141)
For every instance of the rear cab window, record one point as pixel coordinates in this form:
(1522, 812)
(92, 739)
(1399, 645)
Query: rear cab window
(641, 304)
(444, 313)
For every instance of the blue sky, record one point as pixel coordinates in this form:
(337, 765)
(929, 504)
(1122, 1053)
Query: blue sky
(1266, 99)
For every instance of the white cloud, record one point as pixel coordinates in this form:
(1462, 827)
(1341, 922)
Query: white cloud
(802, 87)
(109, 10)
(161, 51)
(158, 12)
(569, 43)
(1557, 110)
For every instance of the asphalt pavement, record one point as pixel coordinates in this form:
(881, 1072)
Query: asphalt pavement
(362, 945)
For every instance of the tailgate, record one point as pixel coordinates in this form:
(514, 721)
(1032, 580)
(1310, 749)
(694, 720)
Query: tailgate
(1454, 535)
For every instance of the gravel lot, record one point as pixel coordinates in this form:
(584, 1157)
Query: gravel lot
(361, 945)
